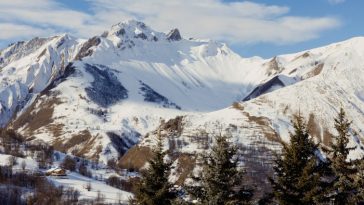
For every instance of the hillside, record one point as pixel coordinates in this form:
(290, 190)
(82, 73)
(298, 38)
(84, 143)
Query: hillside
(100, 96)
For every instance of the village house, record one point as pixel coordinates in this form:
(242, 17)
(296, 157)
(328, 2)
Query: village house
(56, 172)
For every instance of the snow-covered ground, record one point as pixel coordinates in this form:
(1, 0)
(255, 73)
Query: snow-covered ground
(74, 180)
(30, 164)
(79, 182)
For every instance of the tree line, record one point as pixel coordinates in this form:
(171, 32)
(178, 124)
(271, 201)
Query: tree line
(304, 173)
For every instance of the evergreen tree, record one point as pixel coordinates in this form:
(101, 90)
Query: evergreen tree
(297, 171)
(154, 188)
(344, 188)
(221, 180)
(359, 180)
(69, 163)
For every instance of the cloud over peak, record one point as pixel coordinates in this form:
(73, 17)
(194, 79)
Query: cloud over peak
(235, 22)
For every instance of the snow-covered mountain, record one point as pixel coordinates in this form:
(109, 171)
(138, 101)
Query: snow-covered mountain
(29, 67)
(98, 97)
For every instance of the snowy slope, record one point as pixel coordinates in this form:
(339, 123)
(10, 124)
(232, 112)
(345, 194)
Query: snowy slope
(110, 194)
(326, 79)
(29, 67)
(74, 180)
(122, 83)
(100, 96)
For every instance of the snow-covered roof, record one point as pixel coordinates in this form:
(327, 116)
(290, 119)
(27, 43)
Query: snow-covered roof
(55, 169)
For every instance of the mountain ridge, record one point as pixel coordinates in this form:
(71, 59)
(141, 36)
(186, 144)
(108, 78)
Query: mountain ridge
(98, 97)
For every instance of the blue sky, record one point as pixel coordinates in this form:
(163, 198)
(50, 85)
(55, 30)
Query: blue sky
(349, 13)
(258, 27)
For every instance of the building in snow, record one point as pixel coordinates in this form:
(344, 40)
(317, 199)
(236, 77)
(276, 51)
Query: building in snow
(56, 172)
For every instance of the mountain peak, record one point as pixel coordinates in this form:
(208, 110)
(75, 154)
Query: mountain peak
(130, 24)
(174, 35)
(133, 29)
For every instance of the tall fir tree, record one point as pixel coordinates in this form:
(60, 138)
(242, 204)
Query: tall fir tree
(154, 187)
(359, 180)
(221, 181)
(344, 188)
(297, 171)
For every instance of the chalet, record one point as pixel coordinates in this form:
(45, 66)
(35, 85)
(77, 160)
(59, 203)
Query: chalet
(56, 172)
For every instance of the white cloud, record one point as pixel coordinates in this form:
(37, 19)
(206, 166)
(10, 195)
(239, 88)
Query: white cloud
(12, 31)
(243, 22)
(22, 18)
(237, 22)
